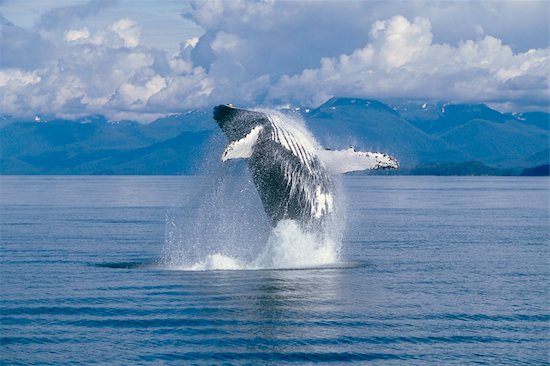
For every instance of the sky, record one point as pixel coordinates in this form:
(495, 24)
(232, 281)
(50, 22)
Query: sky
(137, 59)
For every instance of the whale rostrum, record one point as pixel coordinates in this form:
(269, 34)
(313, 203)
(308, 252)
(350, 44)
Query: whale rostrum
(292, 173)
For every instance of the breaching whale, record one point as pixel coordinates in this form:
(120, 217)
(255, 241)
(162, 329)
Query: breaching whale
(292, 174)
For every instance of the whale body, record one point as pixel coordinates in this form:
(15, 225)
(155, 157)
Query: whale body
(292, 173)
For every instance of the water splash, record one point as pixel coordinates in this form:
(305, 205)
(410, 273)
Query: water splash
(225, 226)
(290, 247)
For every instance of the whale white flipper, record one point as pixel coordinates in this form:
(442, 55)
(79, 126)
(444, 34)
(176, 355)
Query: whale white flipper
(349, 160)
(243, 148)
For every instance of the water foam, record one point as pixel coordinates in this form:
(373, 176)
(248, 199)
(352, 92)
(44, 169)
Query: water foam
(216, 262)
(288, 247)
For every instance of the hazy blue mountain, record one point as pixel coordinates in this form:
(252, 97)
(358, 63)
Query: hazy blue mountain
(6, 119)
(440, 117)
(92, 145)
(173, 156)
(170, 126)
(497, 143)
(537, 119)
(375, 126)
(428, 137)
(483, 134)
(539, 170)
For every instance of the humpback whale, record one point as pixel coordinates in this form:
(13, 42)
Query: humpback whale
(292, 173)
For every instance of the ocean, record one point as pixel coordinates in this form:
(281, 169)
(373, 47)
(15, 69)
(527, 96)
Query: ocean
(128, 270)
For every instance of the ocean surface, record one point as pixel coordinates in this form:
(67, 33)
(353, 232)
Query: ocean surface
(430, 271)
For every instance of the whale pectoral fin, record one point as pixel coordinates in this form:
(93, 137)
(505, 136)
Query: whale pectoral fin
(243, 148)
(344, 161)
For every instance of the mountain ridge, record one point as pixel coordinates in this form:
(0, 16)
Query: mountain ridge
(417, 133)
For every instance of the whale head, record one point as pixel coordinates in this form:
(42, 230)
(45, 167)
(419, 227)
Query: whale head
(236, 123)
(223, 114)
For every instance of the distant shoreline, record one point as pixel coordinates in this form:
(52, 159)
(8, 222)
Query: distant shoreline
(529, 173)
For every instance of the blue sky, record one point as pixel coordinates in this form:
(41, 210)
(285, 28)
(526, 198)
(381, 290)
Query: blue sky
(143, 59)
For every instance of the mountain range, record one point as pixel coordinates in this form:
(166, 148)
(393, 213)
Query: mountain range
(426, 137)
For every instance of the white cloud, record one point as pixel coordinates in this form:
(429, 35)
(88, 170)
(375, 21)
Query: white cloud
(225, 42)
(402, 61)
(270, 52)
(18, 77)
(123, 33)
(77, 34)
(128, 31)
(132, 94)
(192, 42)
(400, 41)
(107, 72)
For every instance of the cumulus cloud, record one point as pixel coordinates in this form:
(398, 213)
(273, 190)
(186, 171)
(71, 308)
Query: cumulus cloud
(18, 77)
(402, 61)
(277, 37)
(128, 31)
(77, 34)
(268, 52)
(307, 52)
(106, 71)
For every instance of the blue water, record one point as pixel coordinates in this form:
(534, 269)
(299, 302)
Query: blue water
(449, 271)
